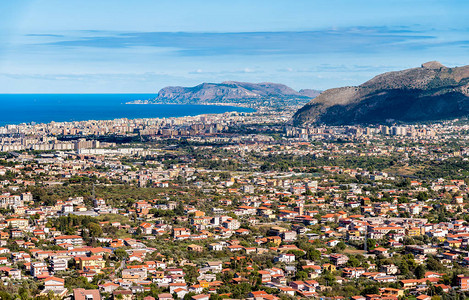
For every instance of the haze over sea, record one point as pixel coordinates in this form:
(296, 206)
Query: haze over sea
(44, 108)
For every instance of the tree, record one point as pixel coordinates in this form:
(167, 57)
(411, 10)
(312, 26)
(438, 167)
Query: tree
(420, 271)
(188, 296)
(79, 282)
(341, 246)
(191, 274)
(138, 231)
(353, 262)
(297, 253)
(372, 289)
(313, 254)
(422, 196)
(95, 230)
(370, 244)
(301, 275)
(435, 265)
(329, 278)
(179, 210)
(120, 254)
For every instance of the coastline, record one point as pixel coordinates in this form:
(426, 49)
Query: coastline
(33, 123)
(147, 102)
(60, 108)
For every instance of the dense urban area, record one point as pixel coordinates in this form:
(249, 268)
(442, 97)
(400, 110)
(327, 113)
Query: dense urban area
(234, 206)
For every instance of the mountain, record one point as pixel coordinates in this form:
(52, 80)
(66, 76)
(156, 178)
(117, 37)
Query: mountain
(430, 92)
(232, 92)
(309, 93)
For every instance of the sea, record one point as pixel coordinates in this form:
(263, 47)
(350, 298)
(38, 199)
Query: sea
(45, 108)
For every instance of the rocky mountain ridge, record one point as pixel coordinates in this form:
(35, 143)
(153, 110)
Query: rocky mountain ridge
(431, 92)
(232, 92)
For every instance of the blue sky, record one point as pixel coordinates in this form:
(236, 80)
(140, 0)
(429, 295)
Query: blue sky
(51, 46)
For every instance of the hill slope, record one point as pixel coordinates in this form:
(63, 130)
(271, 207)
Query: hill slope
(431, 92)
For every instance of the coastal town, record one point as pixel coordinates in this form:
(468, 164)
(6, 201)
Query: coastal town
(233, 206)
(234, 150)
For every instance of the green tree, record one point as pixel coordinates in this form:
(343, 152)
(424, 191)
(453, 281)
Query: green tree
(370, 244)
(120, 254)
(341, 246)
(313, 254)
(95, 230)
(301, 275)
(420, 271)
(370, 290)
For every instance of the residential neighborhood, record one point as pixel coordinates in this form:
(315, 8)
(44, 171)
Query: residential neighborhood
(241, 207)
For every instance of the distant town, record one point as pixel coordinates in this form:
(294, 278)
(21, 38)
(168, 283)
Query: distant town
(234, 206)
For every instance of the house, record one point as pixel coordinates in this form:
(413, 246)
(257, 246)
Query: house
(108, 287)
(231, 224)
(265, 276)
(94, 262)
(453, 243)
(4, 261)
(17, 223)
(195, 248)
(328, 218)
(445, 288)
(175, 271)
(201, 297)
(58, 264)
(53, 283)
(381, 251)
(14, 274)
(234, 248)
(333, 243)
(180, 292)
(338, 259)
(353, 272)
(122, 294)
(285, 258)
(165, 296)
(174, 286)
(39, 269)
(74, 240)
(313, 270)
(299, 285)
(146, 228)
(215, 266)
(411, 283)
(289, 236)
(137, 289)
(260, 295)
(329, 267)
(389, 269)
(181, 232)
(134, 274)
(463, 282)
(215, 247)
(450, 256)
(82, 294)
(4, 250)
(392, 292)
(287, 290)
